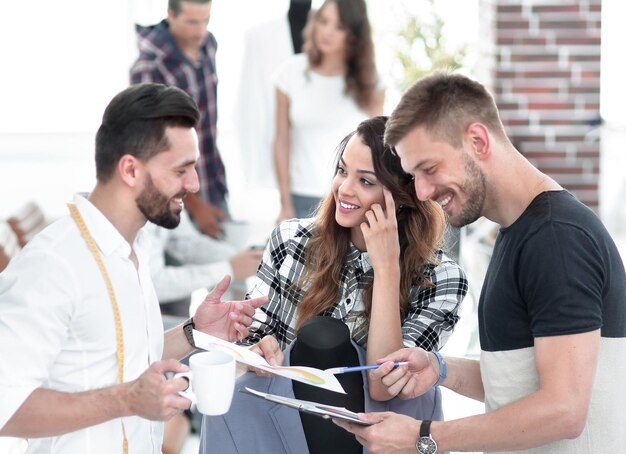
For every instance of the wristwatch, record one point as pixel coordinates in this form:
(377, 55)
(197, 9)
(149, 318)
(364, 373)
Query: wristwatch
(188, 327)
(425, 443)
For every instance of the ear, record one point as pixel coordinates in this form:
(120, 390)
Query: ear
(478, 136)
(129, 169)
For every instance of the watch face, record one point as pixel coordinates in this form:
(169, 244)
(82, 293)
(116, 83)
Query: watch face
(426, 445)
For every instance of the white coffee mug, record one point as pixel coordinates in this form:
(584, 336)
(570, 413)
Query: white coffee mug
(212, 381)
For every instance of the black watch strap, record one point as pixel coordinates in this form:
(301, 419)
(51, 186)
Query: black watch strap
(425, 428)
(188, 327)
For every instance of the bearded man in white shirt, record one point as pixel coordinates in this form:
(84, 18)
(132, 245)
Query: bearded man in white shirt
(83, 352)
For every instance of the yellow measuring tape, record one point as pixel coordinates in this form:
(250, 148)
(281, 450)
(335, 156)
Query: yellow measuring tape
(119, 333)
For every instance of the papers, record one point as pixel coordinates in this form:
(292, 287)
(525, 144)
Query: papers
(321, 410)
(309, 375)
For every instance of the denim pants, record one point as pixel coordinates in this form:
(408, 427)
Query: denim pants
(304, 206)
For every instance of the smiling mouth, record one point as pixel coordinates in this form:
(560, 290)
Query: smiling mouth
(179, 200)
(445, 201)
(348, 206)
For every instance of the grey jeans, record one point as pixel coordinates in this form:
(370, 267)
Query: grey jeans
(304, 206)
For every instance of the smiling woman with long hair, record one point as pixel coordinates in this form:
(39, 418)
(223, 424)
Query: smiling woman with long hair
(370, 257)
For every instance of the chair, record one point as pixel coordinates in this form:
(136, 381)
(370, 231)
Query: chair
(27, 221)
(9, 245)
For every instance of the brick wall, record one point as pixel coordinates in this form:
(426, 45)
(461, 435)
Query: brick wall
(546, 80)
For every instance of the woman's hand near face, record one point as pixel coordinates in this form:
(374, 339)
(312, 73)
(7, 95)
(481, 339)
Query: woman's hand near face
(380, 232)
(381, 235)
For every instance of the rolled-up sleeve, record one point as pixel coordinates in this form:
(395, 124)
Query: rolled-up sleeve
(433, 311)
(37, 299)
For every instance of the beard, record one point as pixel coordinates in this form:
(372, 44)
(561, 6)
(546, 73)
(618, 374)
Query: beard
(155, 206)
(475, 188)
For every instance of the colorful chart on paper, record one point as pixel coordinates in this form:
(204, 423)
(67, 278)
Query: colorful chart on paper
(308, 375)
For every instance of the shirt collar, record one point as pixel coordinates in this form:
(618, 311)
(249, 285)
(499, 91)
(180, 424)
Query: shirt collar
(108, 239)
(168, 42)
(358, 259)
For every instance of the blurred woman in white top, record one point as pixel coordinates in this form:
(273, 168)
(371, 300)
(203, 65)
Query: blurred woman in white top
(320, 94)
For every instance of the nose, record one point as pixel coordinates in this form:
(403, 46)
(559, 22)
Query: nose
(423, 189)
(323, 29)
(192, 183)
(346, 187)
(200, 30)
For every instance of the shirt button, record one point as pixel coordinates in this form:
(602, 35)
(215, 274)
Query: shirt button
(348, 301)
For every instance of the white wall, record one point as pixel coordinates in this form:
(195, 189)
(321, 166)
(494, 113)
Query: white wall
(63, 63)
(613, 132)
(67, 61)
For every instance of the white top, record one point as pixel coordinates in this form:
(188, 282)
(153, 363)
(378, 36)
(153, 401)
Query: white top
(57, 329)
(320, 115)
(510, 375)
(204, 261)
(266, 46)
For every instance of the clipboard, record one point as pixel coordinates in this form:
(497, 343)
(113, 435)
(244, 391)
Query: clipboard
(314, 408)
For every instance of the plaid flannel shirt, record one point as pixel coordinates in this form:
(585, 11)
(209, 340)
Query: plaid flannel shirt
(161, 61)
(429, 323)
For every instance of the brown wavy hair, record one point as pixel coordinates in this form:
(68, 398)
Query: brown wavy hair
(420, 232)
(361, 77)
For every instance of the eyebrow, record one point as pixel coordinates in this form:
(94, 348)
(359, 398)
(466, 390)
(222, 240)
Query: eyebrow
(420, 164)
(368, 172)
(190, 162)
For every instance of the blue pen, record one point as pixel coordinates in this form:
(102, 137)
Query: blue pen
(343, 370)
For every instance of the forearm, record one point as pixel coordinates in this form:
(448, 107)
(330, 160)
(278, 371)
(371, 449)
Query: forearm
(281, 166)
(531, 421)
(176, 345)
(385, 329)
(282, 147)
(377, 104)
(47, 413)
(463, 377)
(566, 367)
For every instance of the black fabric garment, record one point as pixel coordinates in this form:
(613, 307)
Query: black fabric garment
(298, 13)
(554, 271)
(324, 342)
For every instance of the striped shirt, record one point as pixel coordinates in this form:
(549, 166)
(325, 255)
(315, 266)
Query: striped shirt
(161, 61)
(433, 311)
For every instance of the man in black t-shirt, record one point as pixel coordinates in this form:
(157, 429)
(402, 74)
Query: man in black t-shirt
(552, 311)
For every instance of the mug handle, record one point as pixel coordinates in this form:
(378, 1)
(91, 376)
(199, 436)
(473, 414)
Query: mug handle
(188, 392)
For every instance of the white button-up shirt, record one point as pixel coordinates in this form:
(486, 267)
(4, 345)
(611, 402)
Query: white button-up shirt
(57, 329)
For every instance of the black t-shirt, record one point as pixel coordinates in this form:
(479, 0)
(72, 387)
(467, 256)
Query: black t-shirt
(554, 271)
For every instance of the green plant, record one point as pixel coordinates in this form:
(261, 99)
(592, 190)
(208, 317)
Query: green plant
(422, 48)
